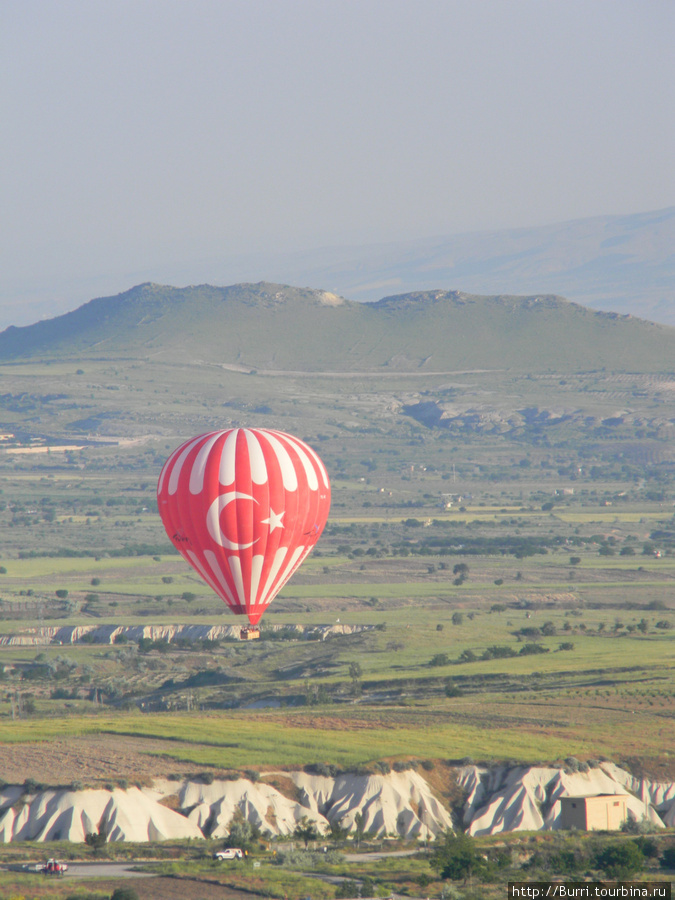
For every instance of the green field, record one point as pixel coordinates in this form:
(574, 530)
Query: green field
(548, 474)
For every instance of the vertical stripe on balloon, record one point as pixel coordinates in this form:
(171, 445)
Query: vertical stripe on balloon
(310, 471)
(228, 459)
(199, 465)
(256, 572)
(175, 472)
(256, 458)
(238, 578)
(274, 569)
(288, 571)
(301, 446)
(288, 474)
(212, 560)
(196, 562)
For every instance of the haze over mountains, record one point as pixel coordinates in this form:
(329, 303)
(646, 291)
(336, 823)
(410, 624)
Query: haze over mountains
(623, 264)
(276, 327)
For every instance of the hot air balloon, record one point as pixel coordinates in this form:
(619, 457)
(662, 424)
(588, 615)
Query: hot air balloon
(244, 507)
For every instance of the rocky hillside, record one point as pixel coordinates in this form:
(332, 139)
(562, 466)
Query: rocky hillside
(400, 804)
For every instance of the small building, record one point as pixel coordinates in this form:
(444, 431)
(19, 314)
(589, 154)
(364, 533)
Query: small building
(602, 812)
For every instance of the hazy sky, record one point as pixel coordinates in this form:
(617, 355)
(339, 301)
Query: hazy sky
(140, 139)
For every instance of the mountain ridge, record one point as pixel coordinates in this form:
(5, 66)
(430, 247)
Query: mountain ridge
(281, 327)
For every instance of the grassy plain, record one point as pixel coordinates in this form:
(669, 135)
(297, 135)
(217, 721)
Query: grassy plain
(552, 480)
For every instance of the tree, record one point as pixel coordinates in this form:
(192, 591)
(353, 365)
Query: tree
(456, 856)
(355, 671)
(461, 569)
(620, 860)
(96, 839)
(305, 831)
(62, 593)
(457, 618)
(359, 828)
(337, 833)
(241, 835)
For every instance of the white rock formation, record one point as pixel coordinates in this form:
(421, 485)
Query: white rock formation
(528, 798)
(400, 803)
(108, 634)
(70, 815)
(213, 806)
(498, 799)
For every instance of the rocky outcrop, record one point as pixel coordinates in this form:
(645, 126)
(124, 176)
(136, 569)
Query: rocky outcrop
(400, 804)
(212, 807)
(108, 634)
(520, 798)
(63, 815)
(528, 798)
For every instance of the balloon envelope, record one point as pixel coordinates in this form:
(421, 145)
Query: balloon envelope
(244, 507)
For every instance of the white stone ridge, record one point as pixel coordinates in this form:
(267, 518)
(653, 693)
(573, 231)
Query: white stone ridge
(71, 815)
(108, 634)
(400, 803)
(213, 806)
(518, 798)
(528, 799)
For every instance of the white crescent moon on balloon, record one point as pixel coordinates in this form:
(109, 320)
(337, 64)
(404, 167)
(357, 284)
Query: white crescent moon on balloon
(213, 520)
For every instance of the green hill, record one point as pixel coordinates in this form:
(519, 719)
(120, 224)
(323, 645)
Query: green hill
(276, 327)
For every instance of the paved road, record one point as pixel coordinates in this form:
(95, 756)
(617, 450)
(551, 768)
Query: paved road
(374, 855)
(105, 870)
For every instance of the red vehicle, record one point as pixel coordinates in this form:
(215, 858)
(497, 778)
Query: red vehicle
(54, 867)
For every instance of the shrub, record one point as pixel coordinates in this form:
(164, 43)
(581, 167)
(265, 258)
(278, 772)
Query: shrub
(498, 653)
(347, 890)
(440, 659)
(531, 649)
(124, 893)
(451, 689)
(620, 861)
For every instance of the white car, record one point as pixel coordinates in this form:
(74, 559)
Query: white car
(230, 853)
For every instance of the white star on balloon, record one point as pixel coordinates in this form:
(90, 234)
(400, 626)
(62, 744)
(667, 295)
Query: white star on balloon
(274, 520)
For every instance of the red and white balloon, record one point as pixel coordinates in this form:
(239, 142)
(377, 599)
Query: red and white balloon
(244, 507)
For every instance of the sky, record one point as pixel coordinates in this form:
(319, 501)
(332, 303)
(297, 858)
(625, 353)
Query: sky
(180, 142)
